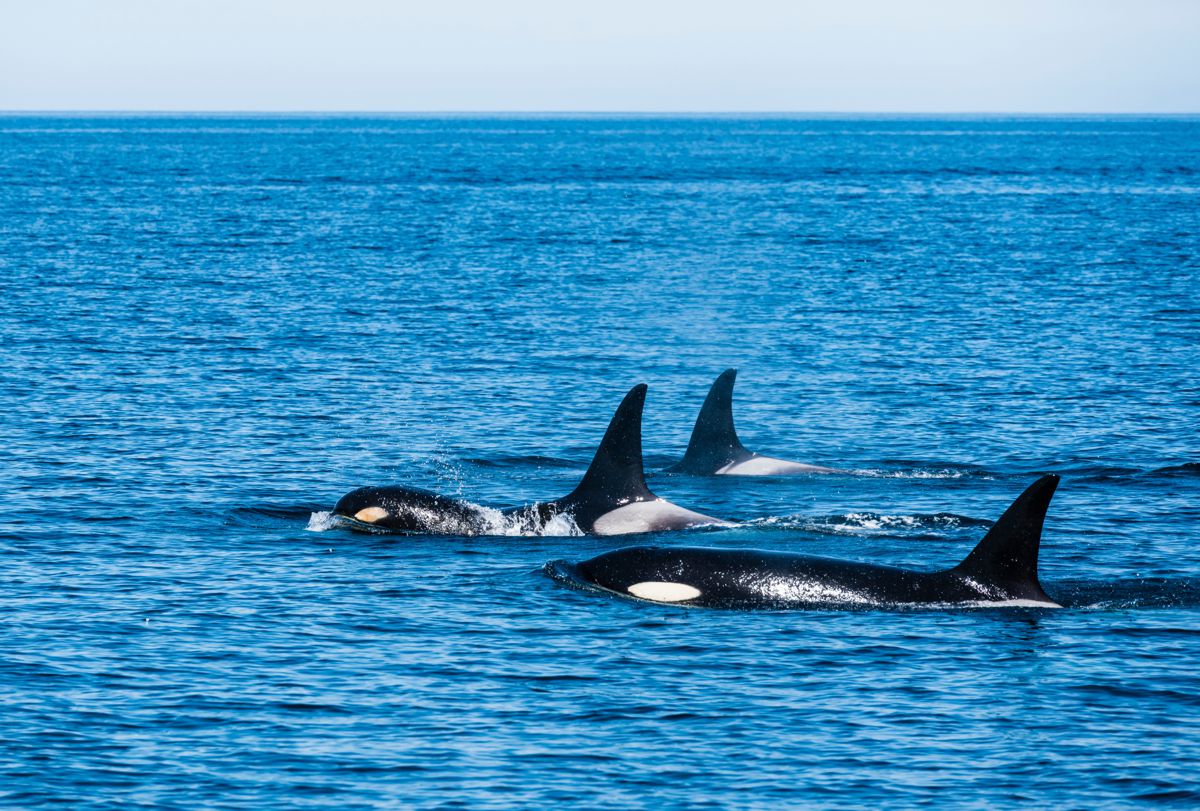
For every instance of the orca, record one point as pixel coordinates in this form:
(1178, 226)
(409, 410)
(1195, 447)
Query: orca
(1001, 570)
(714, 449)
(611, 499)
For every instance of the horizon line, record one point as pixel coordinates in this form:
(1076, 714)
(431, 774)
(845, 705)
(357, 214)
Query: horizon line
(114, 111)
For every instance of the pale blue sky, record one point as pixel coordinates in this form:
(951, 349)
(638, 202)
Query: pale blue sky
(624, 55)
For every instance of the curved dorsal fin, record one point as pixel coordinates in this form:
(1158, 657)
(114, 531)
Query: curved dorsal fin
(1007, 557)
(615, 475)
(714, 443)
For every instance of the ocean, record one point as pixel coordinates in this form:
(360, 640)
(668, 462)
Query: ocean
(212, 327)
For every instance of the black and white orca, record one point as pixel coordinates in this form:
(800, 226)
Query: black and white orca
(612, 498)
(1002, 570)
(715, 450)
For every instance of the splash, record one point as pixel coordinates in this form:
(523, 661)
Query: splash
(449, 473)
(527, 523)
(322, 521)
(562, 525)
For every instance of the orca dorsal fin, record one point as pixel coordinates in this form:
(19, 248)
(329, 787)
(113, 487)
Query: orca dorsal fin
(714, 443)
(616, 475)
(1007, 557)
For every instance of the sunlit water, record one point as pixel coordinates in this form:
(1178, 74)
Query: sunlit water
(210, 329)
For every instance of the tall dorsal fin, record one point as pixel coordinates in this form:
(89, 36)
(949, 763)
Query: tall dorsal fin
(615, 475)
(1007, 557)
(714, 443)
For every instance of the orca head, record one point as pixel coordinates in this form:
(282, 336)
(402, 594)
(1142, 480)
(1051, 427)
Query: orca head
(649, 573)
(407, 509)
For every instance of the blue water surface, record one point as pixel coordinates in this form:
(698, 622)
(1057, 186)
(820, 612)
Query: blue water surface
(213, 327)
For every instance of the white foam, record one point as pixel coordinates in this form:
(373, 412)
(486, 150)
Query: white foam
(919, 473)
(867, 524)
(520, 524)
(562, 524)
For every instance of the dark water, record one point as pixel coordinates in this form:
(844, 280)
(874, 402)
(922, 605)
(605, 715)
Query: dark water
(212, 328)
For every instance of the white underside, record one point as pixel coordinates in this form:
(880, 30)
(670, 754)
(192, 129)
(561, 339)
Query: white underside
(1022, 603)
(769, 466)
(651, 516)
(1013, 604)
(661, 592)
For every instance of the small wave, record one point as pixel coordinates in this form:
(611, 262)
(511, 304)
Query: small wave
(273, 511)
(1145, 592)
(1098, 474)
(867, 523)
(566, 573)
(266, 514)
(519, 461)
(1188, 469)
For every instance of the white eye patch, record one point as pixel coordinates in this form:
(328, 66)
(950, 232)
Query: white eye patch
(661, 592)
(369, 515)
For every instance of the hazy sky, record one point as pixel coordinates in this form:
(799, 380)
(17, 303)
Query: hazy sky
(629, 55)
